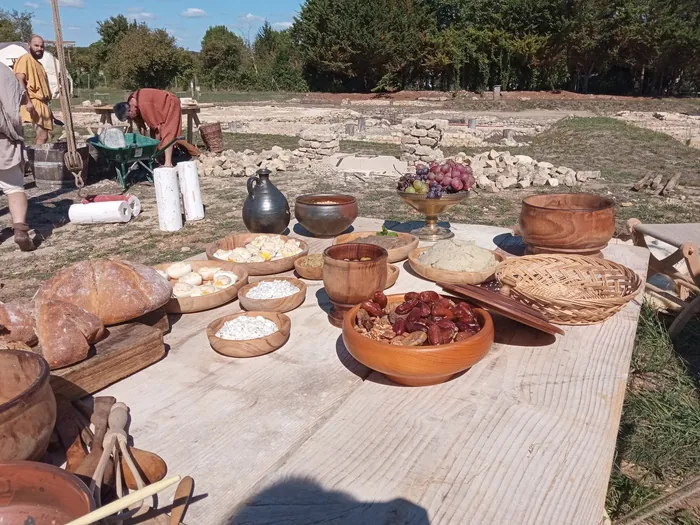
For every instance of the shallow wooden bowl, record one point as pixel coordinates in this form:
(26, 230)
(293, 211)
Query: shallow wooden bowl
(312, 274)
(239, 240)
(392, 276)
(448, 276)
(395, 255)
(567, 223)
(418, 365)
(252, 347)
(188, 305)
(284, 304)
(27, 406)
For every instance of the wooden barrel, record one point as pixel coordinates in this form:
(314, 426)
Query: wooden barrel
(48, 166)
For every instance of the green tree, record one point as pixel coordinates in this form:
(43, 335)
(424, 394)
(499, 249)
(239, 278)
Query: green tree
(145, 57)
(15, 26)
(113, 29)
(221, 57)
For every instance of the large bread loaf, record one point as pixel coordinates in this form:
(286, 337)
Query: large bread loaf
(17, 322)
(65, 332)
(114, 291)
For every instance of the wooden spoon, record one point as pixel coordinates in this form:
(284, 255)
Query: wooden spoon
(151, 467)
(69, 430)
(99, 418)
(182, 498)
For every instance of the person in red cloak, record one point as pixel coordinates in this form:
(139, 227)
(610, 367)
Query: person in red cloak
(162, 113)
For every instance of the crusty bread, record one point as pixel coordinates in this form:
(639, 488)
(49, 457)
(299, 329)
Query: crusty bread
(17, 322)
(65, 332)
(114, 291)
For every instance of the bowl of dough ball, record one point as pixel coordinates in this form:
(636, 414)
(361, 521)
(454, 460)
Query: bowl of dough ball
(262, 254)
(202, 285)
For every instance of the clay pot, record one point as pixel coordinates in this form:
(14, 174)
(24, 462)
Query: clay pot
(27, 406)
(571, 223)
(41, 494)
(266, 209)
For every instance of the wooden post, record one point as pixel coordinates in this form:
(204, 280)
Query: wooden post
(508, 134)
(496, 92)
(361, 125)
(472, 123)
(350, 129)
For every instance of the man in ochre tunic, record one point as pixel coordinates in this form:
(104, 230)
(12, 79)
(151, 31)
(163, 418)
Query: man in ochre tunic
(161, 112)
(32, 76)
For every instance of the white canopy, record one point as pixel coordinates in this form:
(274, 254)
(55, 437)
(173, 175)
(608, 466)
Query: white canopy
(11, 51)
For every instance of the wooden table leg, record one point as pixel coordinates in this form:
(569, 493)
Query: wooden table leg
(189, 127)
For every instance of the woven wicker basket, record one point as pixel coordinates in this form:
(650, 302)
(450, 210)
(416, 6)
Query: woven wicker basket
(212, 137)
(569, 289)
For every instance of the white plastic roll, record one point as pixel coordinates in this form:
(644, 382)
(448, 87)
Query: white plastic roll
(98, 212)
(168, 199)
(134, 204)
(189, 188)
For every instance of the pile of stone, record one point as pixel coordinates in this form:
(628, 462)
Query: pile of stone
(318, 144)
(495, 171)
(246, 163)
(422, 139)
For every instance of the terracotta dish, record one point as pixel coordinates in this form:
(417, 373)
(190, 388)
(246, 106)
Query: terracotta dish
(447, 276)
(252, 347)
(395, 254)
(27, 406)
(239, 240)
(568, 223)
(282, 305)
(326, 214)
(349, 282)
(418, 365)
(41, 494)
(188, 305)
(312, 274)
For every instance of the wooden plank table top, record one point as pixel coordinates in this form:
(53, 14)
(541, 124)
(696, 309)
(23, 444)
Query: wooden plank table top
(308, 435)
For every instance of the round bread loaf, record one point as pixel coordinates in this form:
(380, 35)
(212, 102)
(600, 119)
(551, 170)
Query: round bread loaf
(17, 322)
(114, 291)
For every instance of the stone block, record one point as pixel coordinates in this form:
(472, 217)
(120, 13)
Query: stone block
(427, 141)
(504, 182)
(416, 132)
(524, 182)
(553, 181)
(425, 124)
(524, 160)
(541, 177)
(409, 139)
(435, 134)
(569, 180)
(546, 165)
(424, 150)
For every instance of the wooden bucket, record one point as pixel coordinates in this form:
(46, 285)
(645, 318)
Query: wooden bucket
(48, 166)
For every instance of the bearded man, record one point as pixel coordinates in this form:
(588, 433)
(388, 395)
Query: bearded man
(33, 78)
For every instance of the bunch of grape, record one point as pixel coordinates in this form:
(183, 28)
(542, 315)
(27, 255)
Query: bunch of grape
(437, 179)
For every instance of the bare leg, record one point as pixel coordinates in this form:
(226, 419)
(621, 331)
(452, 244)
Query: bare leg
(18, 207)
(169, 157)
(42, 135)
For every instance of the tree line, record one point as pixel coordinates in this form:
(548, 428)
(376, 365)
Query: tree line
(643, 47)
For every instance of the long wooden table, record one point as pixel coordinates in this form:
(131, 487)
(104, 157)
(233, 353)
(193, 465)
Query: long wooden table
(308, 435)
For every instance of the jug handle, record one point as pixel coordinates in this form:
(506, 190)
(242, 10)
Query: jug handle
(250, 185)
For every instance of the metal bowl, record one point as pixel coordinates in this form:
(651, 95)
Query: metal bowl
(431, 208)
(326, 214)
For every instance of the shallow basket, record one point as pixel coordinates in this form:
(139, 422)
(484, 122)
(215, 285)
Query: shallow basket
(569, 289)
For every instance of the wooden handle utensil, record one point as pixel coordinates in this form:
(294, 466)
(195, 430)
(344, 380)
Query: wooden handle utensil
(181, 500)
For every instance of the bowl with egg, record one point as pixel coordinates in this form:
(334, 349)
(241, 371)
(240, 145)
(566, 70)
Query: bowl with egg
(261, 254)
(326, 214)
(202, 285)
(455, 261)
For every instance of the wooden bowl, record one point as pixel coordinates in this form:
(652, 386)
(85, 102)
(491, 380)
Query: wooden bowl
(27, 406)
(448, 276)
(41, 494)
(392, 276)
(395, 254)
(418, 365)
(239, 240)
(188, 305)
(282, 305)
(568, 223)
(348, 283)
(252, 347)
(312, 274)
(322, 219)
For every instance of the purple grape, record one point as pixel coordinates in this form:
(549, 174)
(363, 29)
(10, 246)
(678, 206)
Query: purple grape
(439, 177)
(457, 184)
(446, 181)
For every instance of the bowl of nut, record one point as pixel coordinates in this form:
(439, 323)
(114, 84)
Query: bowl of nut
(418, 339)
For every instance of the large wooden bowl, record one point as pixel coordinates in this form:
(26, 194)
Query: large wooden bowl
(448, 276)
(239, 240)
(27, 406)
(252, 347)
(41, 494)
(188, 305)
(568, 223)
(418, 365)
(281, 305)
(326, 214)
(395, 254)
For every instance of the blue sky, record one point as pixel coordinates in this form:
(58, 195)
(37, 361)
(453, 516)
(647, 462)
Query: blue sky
(186, 20)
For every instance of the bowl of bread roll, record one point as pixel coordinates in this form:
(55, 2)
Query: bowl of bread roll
(202, 285)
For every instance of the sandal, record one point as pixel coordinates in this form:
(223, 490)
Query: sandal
(22, 238)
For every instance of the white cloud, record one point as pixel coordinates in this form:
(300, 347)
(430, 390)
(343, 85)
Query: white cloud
(39, 22)
(74, 28)
(282, 25)
(69, 3)
(141, 16)
(193, 12)
(252, 18)
(31, 5)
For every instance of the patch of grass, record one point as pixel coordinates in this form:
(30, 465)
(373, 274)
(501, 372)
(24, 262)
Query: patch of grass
(660, 428)
(258, 142)
(369, 148)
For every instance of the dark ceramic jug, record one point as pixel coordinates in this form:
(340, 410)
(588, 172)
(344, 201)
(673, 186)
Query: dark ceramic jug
(266, 209)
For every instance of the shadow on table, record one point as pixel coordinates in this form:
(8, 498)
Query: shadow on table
(510, 244)
(303, 232)
(299, 501)
(407, 227)
(324, 301)
(349, 362)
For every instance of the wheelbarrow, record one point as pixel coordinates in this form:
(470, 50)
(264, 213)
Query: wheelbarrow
(140, 152)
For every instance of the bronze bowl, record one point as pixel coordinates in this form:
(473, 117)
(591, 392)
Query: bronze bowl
(326, 214)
